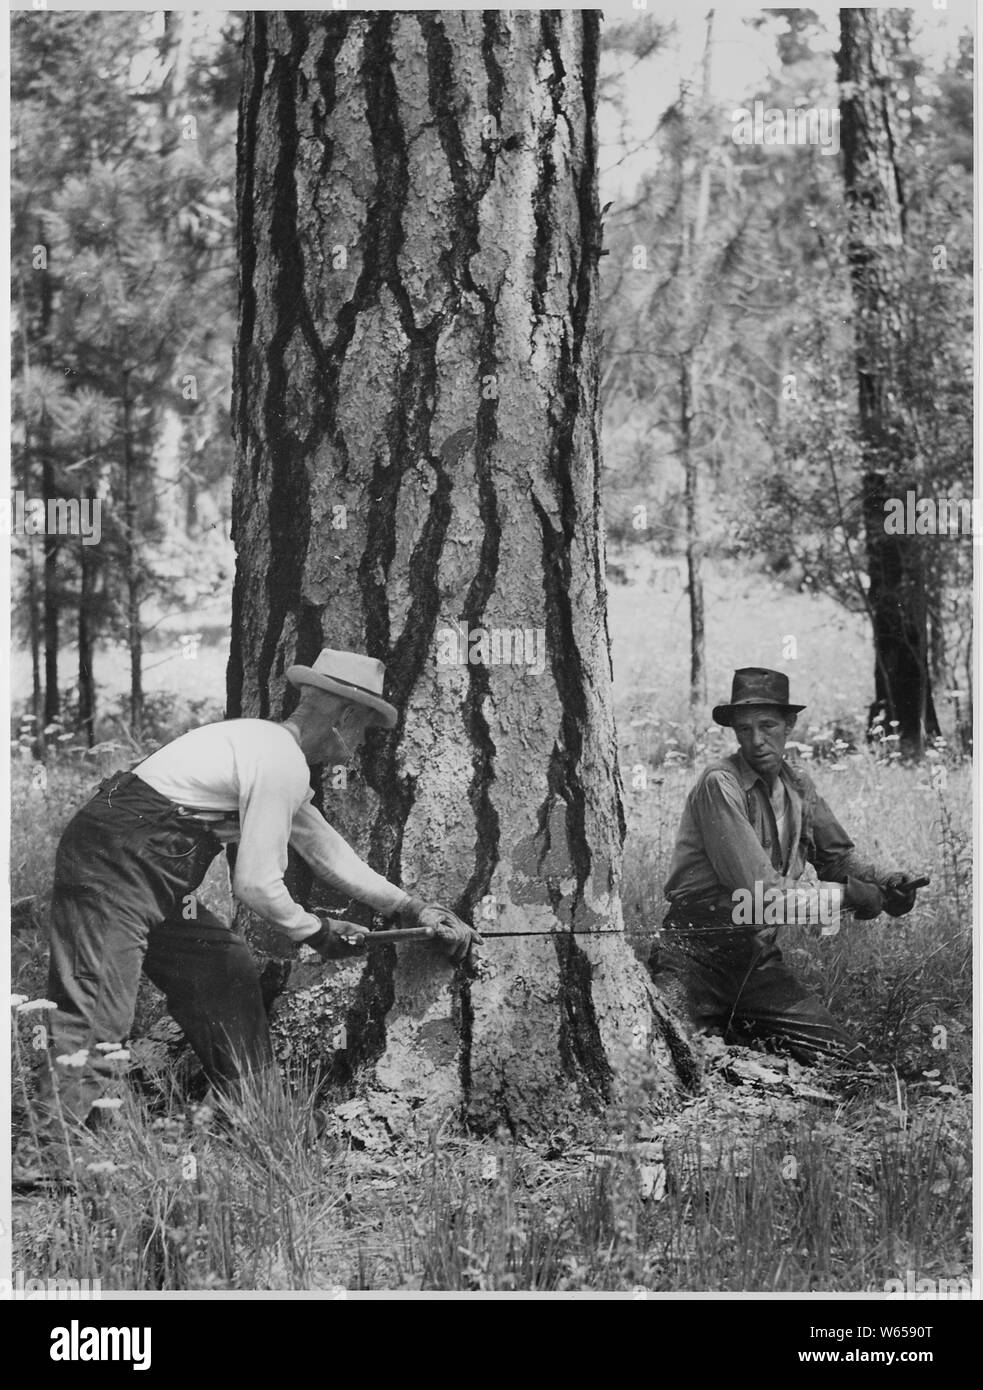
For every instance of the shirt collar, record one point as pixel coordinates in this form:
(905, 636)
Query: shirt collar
(747, 776)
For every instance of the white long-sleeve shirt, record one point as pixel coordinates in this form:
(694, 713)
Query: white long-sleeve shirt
(256, 768)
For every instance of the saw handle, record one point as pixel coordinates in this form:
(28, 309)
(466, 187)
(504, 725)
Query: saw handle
(379, 937)
(399, 934)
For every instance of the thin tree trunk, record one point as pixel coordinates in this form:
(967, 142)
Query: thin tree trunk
(178, 34)
(417, 344)
(692, 231)
(694, 546)
(86, 677)
(37, 689)
(52, 696)
(134, 634)
(50, 599)
(33, 588)
(876, 199)
(34, 614)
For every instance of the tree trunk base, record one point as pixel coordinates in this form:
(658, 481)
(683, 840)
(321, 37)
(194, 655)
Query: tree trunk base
(569, 1029)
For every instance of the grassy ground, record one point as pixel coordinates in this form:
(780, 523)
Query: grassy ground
(743, 1191)
(751, 1187)
(764, 1182)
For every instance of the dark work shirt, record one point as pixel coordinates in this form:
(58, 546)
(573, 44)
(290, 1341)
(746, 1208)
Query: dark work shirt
(728, 837)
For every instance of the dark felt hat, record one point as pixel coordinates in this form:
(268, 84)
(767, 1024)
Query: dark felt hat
(754, 685)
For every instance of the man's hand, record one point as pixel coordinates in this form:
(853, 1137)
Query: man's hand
(337, 940)
(454, 937)
(865, 900)
(899, 893)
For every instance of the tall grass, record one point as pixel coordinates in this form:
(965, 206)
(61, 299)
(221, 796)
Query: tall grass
(226, 1196)
(254, 1198)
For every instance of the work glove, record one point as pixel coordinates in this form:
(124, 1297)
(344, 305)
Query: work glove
(337, 940)
(454, 937)
(899, 898)
(865, 900)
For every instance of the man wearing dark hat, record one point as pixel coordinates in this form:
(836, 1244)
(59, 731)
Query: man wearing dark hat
(750, 829)
(129, 862)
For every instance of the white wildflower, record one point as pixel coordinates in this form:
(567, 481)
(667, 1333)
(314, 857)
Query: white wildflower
(74, 1059)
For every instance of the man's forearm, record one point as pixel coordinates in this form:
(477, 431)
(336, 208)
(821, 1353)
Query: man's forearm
(271, 901)
(851, 865)
(335, 863)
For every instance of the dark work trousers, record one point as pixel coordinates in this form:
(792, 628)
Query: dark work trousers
(126, 870)
(733, 981)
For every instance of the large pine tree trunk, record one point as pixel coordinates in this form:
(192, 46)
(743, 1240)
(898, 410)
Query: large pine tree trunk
(417, 345)
(896, 594)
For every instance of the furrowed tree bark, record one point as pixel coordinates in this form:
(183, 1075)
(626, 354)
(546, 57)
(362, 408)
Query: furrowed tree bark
(897, 591)
(415, 413)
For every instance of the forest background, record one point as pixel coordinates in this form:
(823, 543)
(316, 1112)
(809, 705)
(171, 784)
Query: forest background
(733, 491)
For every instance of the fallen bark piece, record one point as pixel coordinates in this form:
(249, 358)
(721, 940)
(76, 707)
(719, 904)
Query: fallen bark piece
(813, 1093)
(746, 1070)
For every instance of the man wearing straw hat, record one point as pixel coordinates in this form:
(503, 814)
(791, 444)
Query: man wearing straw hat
(750, 829)
(129, 862)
